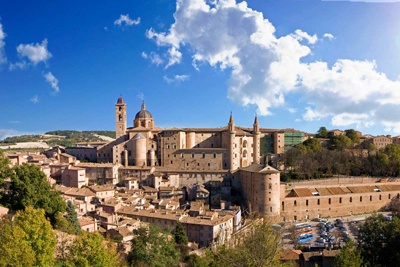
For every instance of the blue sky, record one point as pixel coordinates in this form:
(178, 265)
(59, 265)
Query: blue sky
(297, 64)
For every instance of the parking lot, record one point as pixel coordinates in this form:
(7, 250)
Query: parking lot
(333, 232)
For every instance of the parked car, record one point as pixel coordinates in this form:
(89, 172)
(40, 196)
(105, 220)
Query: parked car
(321, 240)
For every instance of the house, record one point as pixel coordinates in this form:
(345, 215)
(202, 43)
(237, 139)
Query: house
(88, 224)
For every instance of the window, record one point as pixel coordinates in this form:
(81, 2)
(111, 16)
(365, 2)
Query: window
(340, 200)
(270, 186)
(318, 201)
(329, 201)
(295, 203)
(306, 202)
(204, 156)
(360, 199)
(283, 205)
(351, 199)
(370, 198)
(380, 197)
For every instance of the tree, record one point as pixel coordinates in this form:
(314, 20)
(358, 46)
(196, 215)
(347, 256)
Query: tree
(350, 256)
(353, 135)
(72, 218)
(260, 245)
(90, 249)
(4, 167)
(15, 250)
(371, 239)
(153, 247)
(180, 234)
(28, 240)
(322, 133)
(340, 142)
(194, 260)
(313, 145)
(29, 187)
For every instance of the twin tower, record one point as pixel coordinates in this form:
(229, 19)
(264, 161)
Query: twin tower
(229, 147)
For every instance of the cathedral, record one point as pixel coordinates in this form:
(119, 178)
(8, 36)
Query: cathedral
(226, 148)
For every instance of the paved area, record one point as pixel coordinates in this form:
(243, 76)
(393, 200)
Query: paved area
(341, 235)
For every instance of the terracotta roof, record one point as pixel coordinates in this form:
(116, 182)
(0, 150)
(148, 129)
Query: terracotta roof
(302, 192)
(291, 254)
(86, 192)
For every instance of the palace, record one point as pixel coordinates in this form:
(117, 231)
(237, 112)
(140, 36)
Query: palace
(226, 148)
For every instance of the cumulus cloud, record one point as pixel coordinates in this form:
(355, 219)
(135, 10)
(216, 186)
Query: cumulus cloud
(264, 68)
(3, 35)
(125, 20)
(34, 99)
(35, 53)
(300, 35)
(53, 81)
(176, 79)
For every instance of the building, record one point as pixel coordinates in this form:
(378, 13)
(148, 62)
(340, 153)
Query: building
(197, 149)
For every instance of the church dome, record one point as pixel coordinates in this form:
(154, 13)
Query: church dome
(120, 101)
(143, 114)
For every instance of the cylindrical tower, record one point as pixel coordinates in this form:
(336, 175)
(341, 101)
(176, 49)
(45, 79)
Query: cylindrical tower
(232, 133)
(256, 142)
(190, 140)
(152, 157)
(139, 142)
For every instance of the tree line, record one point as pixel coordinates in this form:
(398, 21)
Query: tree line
(342, 155)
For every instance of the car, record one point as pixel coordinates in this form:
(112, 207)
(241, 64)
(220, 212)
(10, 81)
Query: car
(321, 240)
(342, 228)
(338, 222)
(322, 233)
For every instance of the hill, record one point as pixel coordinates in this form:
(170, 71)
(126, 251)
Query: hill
(59, 137)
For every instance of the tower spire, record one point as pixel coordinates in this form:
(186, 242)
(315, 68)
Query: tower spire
(231, 123)
(143, 105)
(256, 126)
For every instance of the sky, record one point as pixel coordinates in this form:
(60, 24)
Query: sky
(298, 64)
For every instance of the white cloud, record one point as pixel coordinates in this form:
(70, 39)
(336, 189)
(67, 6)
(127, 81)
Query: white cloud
(300, 35)
(176, 79)
(329, 36)
(34, 99)
(52, 81)
(153, 57)
(124, 19)
(34, 52)
(3, 35)
(265, 68)
(18, 65)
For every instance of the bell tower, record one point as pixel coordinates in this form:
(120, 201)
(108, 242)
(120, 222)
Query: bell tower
(232, 134)
(256, 141)
(120, 118)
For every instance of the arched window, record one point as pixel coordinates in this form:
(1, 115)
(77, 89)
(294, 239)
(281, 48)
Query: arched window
(120, 117)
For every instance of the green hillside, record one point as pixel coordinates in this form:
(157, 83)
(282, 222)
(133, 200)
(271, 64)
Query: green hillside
(60, 137)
